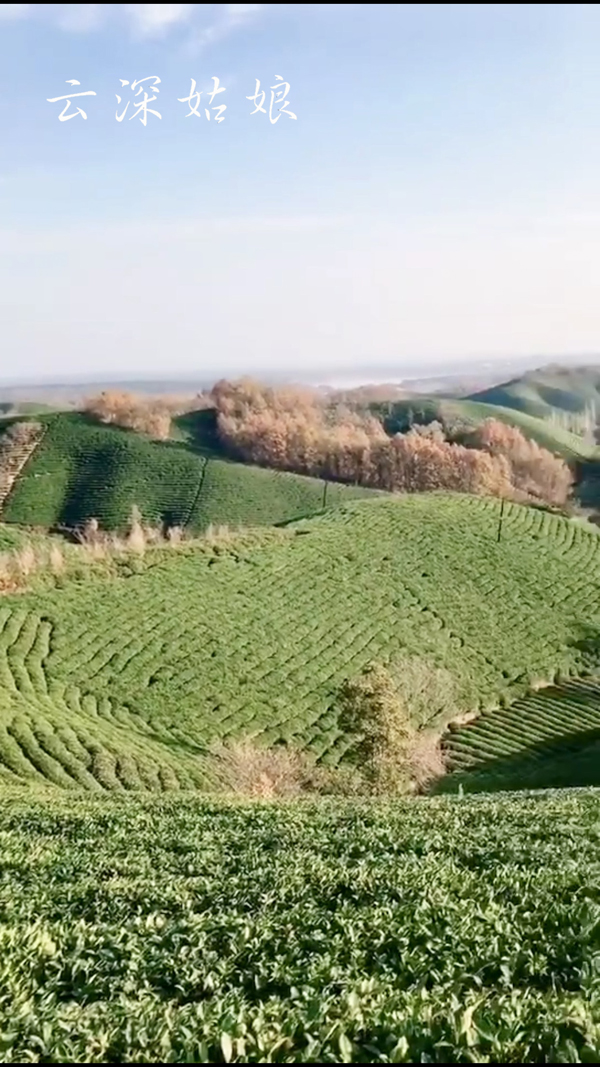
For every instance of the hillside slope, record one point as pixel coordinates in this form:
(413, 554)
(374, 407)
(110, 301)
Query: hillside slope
(549, 738)
(398, 415)
(127, 681)
(546, 390)
(85, 470)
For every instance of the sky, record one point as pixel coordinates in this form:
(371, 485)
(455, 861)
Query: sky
(435, 198)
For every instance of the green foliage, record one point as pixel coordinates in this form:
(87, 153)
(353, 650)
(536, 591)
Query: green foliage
(172, 930)
(83, 470)
(387, 717)
(136, 675)
(376, 720)
(399, 415)
(549, 738)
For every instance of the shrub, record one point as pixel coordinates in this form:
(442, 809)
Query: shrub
(147, 415)
(389, 719)
(175, 534)
(245, 768)
(26, 560)
(90, 533)
(56, 560)
(425, 760)
(136, 536)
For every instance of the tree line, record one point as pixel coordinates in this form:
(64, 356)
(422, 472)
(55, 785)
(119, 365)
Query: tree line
(292, 429)
(298, 429)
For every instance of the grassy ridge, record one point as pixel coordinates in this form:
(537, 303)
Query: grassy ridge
(82, 470)
(178, 931)
(256, 637)
(540, 392)
(556, 439)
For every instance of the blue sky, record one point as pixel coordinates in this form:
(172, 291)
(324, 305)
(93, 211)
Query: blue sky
(436, 198)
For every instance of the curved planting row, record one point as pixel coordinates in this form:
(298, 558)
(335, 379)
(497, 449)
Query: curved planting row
(256, 636)
(83, 470)
(551, 737)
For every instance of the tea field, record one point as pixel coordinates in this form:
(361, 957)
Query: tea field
(85, 470)
(549, 738)
(180, 930)
(123, 683)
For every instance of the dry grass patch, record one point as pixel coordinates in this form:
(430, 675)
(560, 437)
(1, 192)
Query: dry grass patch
(245, 768)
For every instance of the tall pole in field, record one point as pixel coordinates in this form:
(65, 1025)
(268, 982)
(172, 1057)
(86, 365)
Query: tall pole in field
(324, 493)
(500, 520)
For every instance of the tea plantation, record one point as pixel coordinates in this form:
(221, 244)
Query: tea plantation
(549, 738)
(145, 919)
(123, 683)
(182, 930)
(85, 470)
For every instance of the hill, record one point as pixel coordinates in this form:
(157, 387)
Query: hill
(398, 416)
(176, 931)
(84, 470)
(125, 682)
(25, 407)
(547, 390)
(549, 738)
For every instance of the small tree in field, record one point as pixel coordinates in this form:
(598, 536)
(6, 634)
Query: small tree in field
(390, 716)
(372, 712)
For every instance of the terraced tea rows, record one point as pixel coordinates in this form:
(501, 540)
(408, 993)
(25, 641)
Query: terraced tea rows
(171, 930)
(52, 732)
(82, 470)
(16, 451)
(550, 738)
(256, 639)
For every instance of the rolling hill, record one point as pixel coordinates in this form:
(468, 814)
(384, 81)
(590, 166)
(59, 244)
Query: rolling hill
(398, 415)
(123, 683)
(549, 389)
(84, 470)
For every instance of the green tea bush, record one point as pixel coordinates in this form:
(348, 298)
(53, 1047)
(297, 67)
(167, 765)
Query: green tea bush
(173, 930)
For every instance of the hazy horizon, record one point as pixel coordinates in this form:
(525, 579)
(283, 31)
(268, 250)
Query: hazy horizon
(345, 378)
(433, 201)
